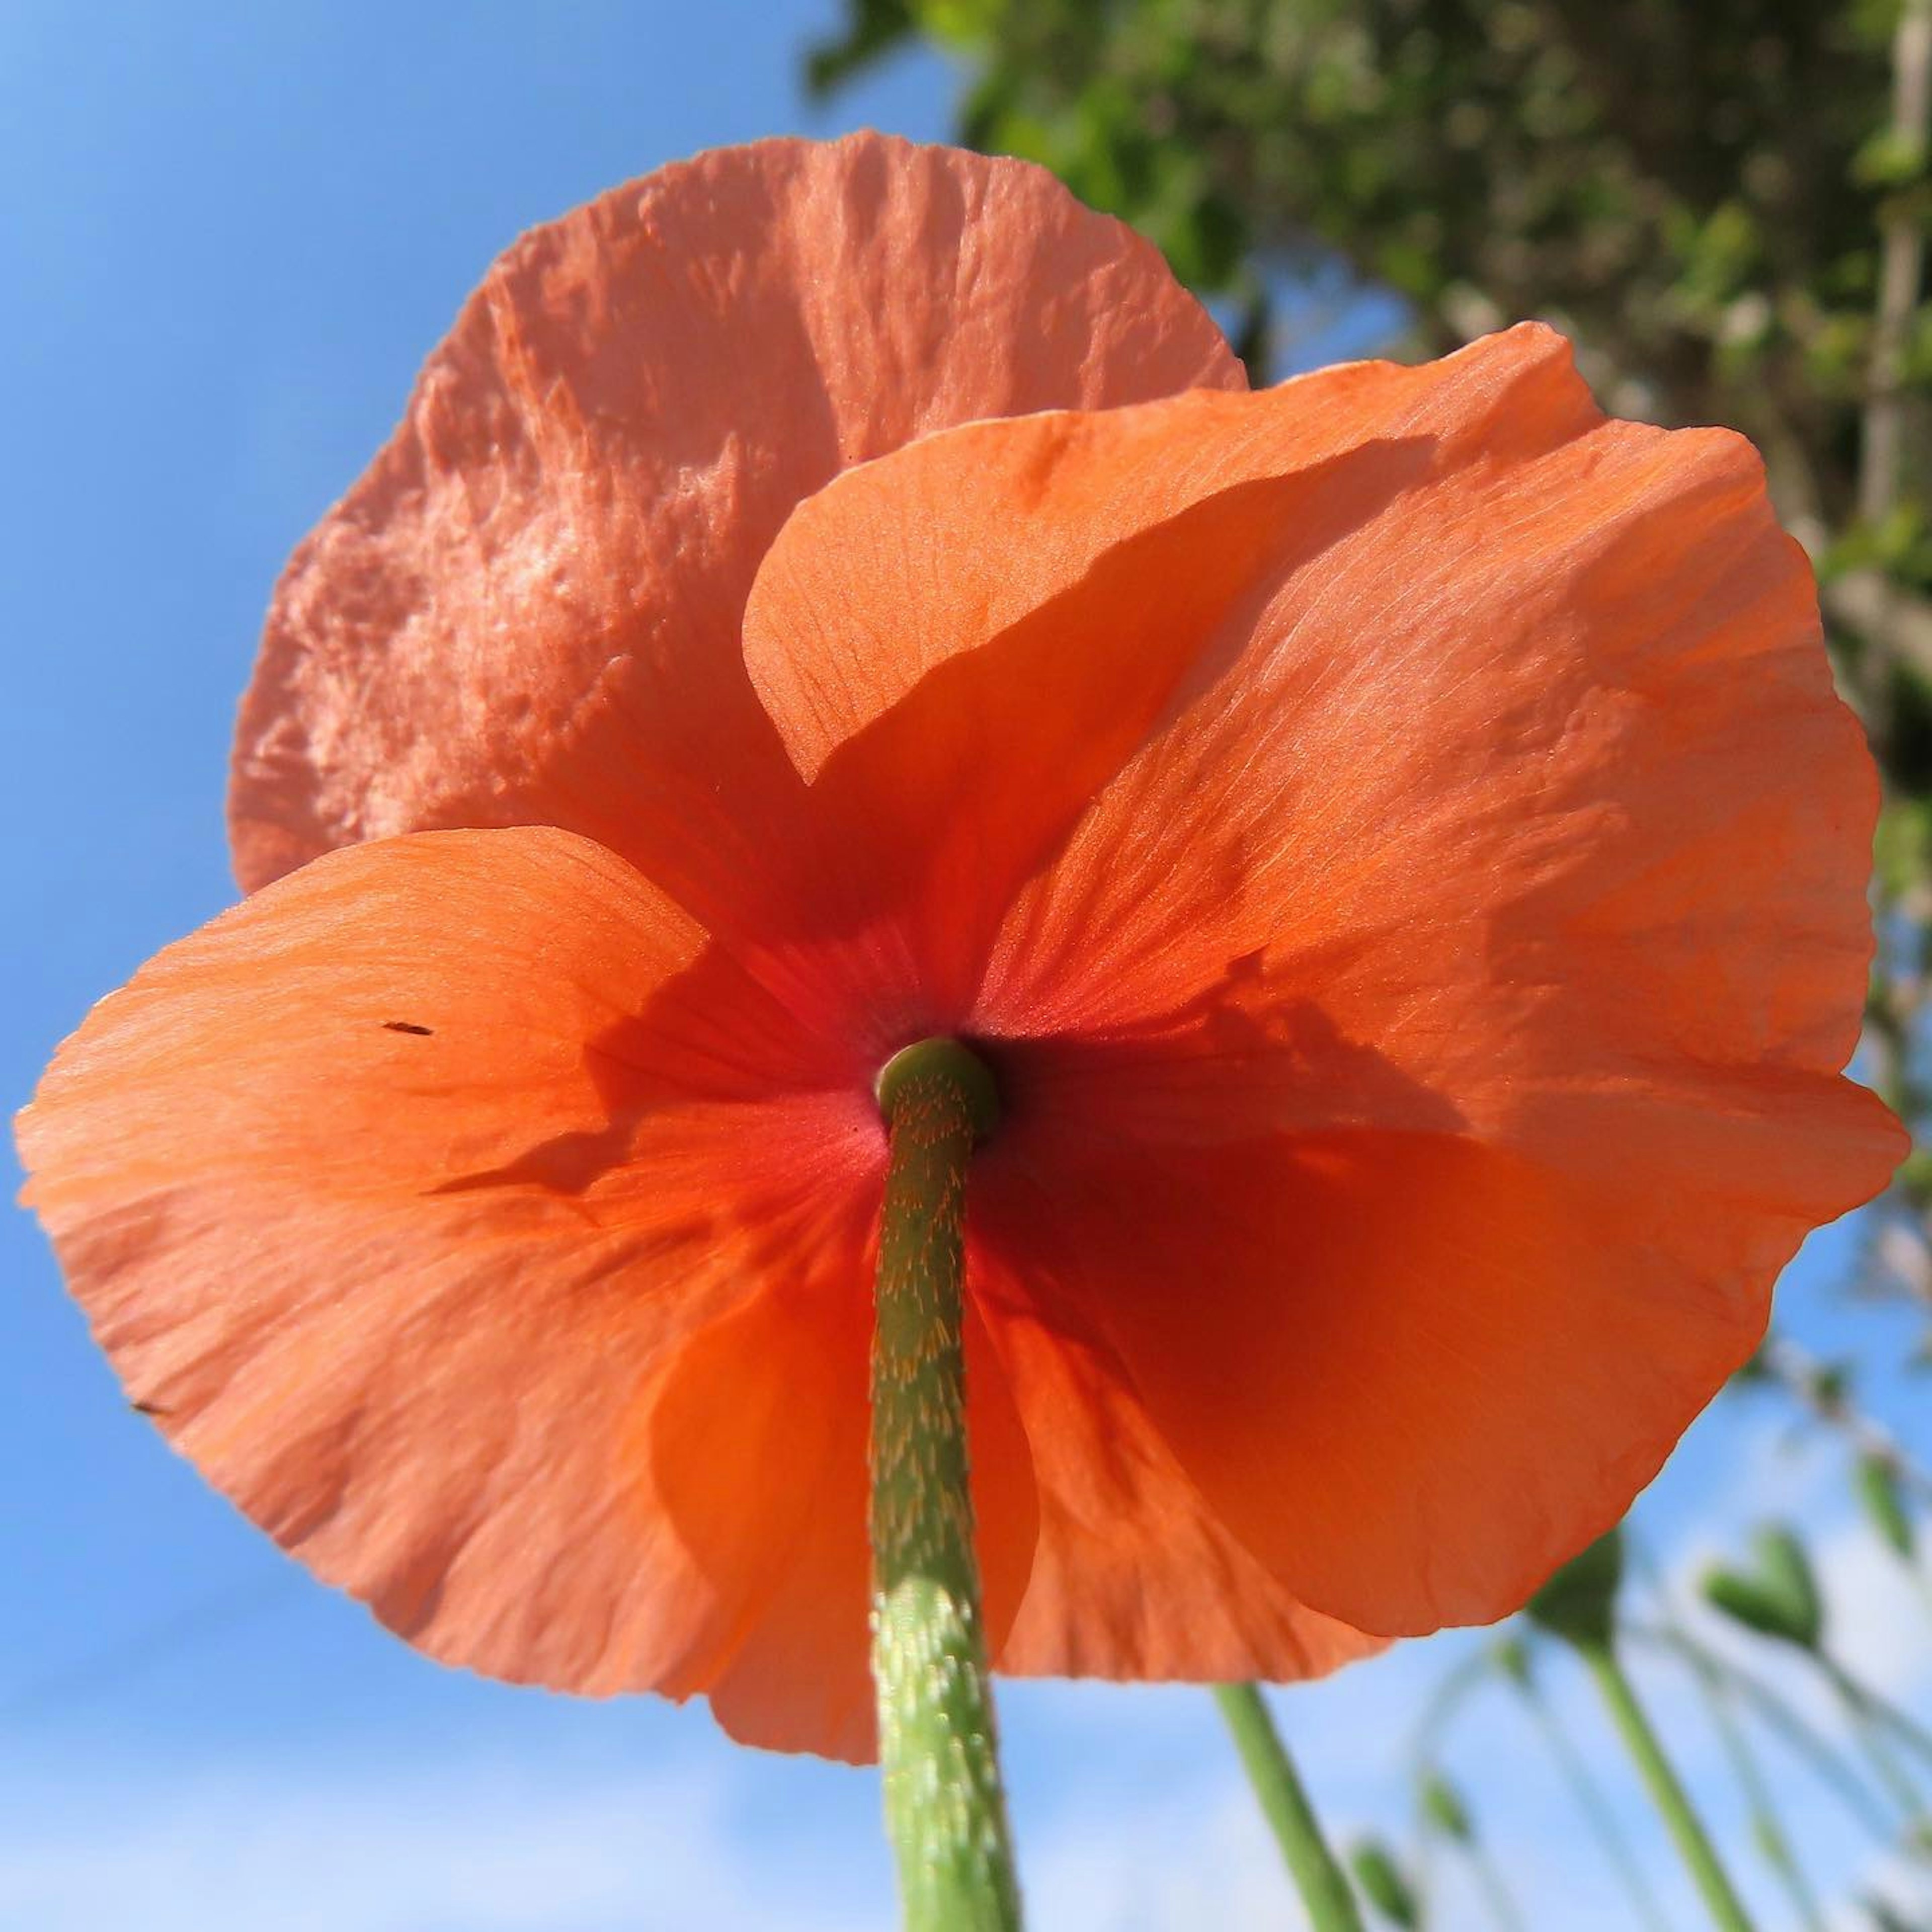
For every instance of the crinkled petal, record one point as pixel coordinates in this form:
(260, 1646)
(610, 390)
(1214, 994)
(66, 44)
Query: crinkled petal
(962, 644)
(1528, 812)
(1487, 895)
(978, 530)
(1540, 763)
(528, 609)
(1468, 967)
(397, 1195)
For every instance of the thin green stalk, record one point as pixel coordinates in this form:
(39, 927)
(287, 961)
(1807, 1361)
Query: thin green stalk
(1475, 1670)
(945, 1813)
(1867, 1732)
(1767, 1829)
(1880, 1711)
(1437, 1714)
(1779, 1852)
(1666, 1790)
(1324, 1891)
(1496, 1894)
(1596, 1807)
(1831, 1768)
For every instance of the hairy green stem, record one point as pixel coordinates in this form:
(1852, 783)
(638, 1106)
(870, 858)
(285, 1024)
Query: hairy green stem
(1666, 1791)
(1324, 1891)
(946, 1812)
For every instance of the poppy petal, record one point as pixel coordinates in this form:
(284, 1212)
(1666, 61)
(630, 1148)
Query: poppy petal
(1515, 828)
(977, 529)
(1522, 839)
(1134, 1577)
(1410, 1373)
(1541, 764)
(391, 1194)
(777, 1385)
(949, 755)
(528, 609)
(780, 1384)
(1529, 813)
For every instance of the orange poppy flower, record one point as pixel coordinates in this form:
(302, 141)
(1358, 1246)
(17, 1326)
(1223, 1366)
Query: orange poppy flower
(1393, 836)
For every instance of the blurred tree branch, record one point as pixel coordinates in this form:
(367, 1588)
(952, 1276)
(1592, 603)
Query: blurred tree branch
(1902, 271)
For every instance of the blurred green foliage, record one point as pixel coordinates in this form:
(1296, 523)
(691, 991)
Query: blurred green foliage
(1881, 1492)
(1777, 1597)
(1578, 1603)
(1693, 190)
(1382, 1884)
(1443, 1806)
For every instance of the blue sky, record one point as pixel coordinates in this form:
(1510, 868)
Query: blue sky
(232, 233)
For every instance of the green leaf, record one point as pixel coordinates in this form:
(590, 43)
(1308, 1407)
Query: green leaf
(1902, 845)
(1442, 1805)
(873, 29)
(1777, 1597)
(1384, 1886)
(1511, 1657)
(1579, 1603)
(1889, 159)
(1883, 1495)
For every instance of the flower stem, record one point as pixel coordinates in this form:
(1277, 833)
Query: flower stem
(1666, 1792)
(1719, 1694)
(1868, 1730)
(945, 1813)
(1827, 1765)
(1324, 1891)
(1767, 1827)
(1596, 1807)
(1882, 1714)
(1496, 1893)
